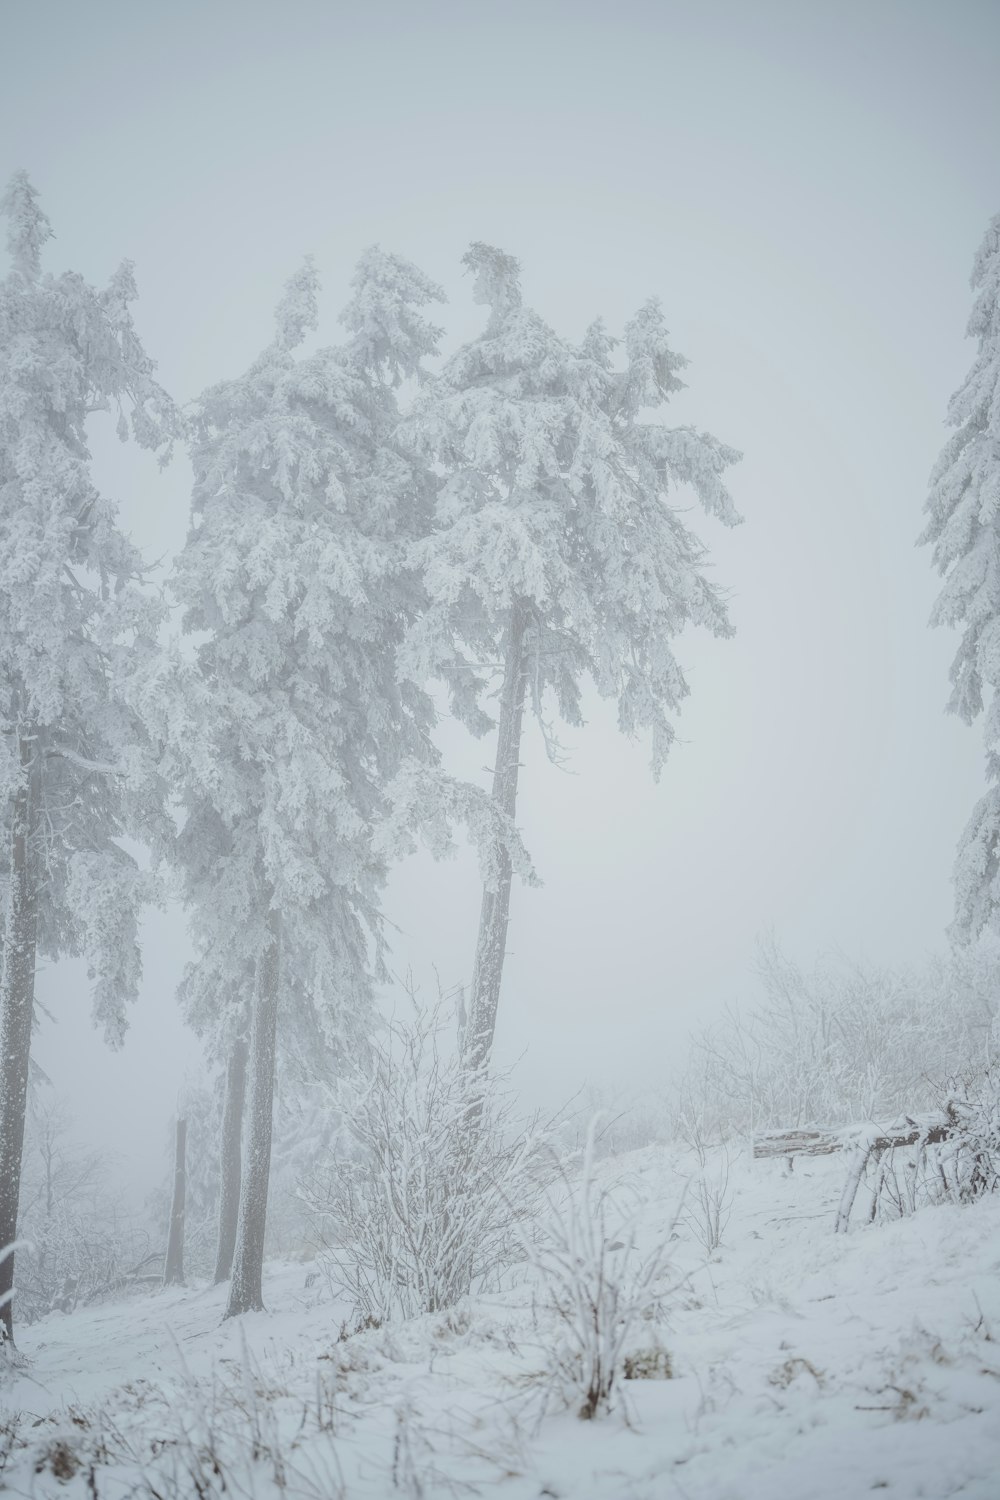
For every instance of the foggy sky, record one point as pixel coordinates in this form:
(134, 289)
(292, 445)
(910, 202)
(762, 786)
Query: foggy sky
(804, 185)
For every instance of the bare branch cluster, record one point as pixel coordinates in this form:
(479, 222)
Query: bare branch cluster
(442, 1177)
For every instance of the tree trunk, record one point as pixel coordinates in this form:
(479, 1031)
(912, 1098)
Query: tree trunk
(17, 1005)
(245, 1293)
(173, 1271)
(232, 1135)
(491, 946)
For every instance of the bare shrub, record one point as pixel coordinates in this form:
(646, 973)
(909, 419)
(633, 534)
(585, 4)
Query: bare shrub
(708, 1204)
(427, 1208)
(599, 1286)
(843, 1043)
(239, 1433)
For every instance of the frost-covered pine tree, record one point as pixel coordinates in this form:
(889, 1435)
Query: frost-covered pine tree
(557, 551)
(964, 527)
(77, 629)
(293, 723)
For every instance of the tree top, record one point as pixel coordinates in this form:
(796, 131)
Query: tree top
(497, 275)
(27, 226)
(297, 313)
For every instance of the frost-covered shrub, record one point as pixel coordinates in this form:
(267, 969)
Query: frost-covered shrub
(839, 1044)
(427, 1207)
(602, 1290)
(960, 1167)
(242, 1429)
(708, 1204)
(77, 1242)
(79, 1254)
(970, 1158)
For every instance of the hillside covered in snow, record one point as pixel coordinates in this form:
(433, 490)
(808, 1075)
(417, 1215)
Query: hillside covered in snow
(798, 1364)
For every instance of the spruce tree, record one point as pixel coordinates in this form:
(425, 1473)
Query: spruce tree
(78, 635)
(286, 735)
(557, 551)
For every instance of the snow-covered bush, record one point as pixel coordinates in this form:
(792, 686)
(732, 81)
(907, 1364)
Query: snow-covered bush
(956, 1161)
(842, 1043)
(601, 1287)
(428, 1207)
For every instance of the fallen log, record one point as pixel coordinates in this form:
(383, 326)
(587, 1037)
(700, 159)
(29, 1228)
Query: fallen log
(797, 1143)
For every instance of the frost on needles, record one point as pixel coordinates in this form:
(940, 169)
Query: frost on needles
(964, 527)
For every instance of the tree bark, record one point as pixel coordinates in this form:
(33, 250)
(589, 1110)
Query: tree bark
(17, 1005)
(232, 1141)
(491, 946)
(173, 1271)
(245, 1294)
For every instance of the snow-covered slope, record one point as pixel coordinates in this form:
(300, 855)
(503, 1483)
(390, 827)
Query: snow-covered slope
(805, 1367)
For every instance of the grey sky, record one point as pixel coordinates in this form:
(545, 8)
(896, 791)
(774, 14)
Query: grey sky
(804, 185)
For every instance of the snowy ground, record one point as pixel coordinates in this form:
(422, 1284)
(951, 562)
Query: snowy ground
(805, 1367)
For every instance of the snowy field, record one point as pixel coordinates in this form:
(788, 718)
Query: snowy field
(805, 1366)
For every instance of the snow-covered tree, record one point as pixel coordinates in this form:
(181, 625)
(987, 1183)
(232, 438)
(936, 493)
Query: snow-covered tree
(293, 722)
(557, 551)
(77, 628)
(964, 527)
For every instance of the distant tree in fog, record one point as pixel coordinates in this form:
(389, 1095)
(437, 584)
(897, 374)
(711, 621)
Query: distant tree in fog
(81, 1241)
(558, 553)
(77, 636)
(964, 526)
